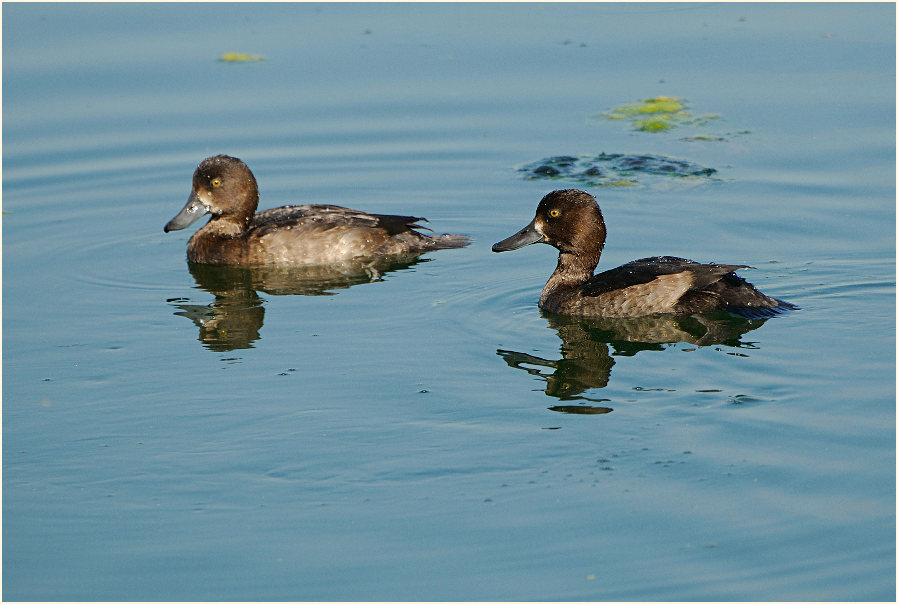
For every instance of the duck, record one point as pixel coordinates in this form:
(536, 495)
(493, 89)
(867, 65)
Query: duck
(571, 221)
(317, 234)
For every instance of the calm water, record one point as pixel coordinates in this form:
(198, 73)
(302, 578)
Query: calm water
(184, 434)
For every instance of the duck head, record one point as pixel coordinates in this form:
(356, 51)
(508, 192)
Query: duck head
(569, 220)
(224, 187)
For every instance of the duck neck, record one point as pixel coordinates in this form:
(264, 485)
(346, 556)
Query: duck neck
(573, 270)
(227, 226)
(236, 221)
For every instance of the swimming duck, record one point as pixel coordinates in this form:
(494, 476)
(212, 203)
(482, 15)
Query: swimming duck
(571, 221)
(235, 235)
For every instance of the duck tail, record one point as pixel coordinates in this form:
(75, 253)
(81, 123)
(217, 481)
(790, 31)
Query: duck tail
(447, 241)
(765, 312)
(411, 225)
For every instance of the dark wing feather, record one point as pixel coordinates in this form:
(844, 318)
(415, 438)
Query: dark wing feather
(645, 270)
(324, 217)
(764, 313)
(734, 294)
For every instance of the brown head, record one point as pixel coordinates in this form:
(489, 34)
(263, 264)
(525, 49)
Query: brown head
(224, 187)
(569, 220)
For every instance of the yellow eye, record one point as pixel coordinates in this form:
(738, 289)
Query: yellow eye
(216, 182)
(554, 213)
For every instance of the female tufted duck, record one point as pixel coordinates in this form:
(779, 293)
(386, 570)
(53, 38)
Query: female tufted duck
(571, 221)
(225, 187)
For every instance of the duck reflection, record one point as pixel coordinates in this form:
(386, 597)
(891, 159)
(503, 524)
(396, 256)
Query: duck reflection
(588, 346)
(233, 320)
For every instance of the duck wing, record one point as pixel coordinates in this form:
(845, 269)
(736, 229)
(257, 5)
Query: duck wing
(680, 286)
(323, 217)
(696, 275)
(736, 295)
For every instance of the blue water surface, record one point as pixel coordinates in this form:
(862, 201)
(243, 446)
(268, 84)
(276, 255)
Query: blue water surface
(429, 434)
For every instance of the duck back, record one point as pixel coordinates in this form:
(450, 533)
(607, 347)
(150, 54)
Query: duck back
(664, 284)
(328, 233)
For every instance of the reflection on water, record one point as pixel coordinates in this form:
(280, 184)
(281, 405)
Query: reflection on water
(234, 318)
(587, 361)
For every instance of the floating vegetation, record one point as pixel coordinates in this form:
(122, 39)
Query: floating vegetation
(613, 169)
(240, 57)
(651, 115)
(658, 114)
(714, 138)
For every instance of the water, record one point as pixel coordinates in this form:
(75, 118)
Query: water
(170, 434)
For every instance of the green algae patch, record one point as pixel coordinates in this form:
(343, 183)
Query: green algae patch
(652, 115)
(240, 57)
(658, 114)
(655, 106)
(615, 169)
(658, 123)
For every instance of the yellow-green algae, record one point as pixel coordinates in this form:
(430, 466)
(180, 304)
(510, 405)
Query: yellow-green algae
(657, 114)
(621, 182)
(659, 104)
(657, 123)
(240, 57)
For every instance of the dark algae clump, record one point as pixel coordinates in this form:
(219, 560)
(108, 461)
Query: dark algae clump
(613, 169)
